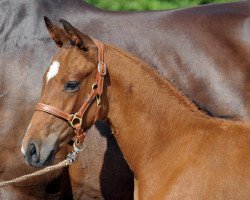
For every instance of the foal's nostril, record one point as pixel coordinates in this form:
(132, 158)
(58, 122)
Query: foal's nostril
(32, 150)
(32, 153)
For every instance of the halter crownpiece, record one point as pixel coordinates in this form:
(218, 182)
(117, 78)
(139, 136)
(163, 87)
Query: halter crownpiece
(75, 120)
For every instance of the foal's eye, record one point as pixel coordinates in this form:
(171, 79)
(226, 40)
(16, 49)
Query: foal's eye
(72, 86)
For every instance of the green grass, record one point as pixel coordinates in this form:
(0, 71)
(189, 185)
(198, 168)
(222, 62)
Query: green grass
(149, 4)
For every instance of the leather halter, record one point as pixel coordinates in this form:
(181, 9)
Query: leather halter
(75, 120)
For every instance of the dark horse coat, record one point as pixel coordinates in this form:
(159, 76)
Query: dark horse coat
(204, 51)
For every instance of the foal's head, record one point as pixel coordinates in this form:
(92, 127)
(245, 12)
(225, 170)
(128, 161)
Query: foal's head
(66, 84)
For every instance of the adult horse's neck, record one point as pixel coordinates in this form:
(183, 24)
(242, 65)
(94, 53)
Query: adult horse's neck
(141, 103)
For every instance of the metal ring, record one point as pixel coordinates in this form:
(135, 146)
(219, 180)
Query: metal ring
(75, 118)
(79, 148)
(94, 86)
(99, 68)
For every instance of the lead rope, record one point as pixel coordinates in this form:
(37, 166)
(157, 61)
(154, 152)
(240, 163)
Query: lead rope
(71, 157)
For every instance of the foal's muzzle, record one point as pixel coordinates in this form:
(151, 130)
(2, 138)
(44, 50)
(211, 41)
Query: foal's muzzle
(32, 156)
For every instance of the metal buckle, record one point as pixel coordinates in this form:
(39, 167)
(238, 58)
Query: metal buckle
(75, 120)
(103, 73)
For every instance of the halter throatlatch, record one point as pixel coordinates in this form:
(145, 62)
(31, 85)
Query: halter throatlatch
(75, 120)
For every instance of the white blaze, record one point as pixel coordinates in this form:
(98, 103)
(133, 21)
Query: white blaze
(53, 70)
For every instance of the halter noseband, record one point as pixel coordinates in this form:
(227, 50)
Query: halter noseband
(75, 120)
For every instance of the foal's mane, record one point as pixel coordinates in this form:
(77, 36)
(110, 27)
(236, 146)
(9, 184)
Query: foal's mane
(161, 81)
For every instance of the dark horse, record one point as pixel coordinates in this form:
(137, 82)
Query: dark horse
(203, 51)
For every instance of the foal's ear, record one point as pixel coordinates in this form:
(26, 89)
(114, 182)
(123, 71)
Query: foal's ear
(56, 33)
(76, 37)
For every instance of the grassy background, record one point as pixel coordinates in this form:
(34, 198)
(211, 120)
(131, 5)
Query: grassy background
(149, 4)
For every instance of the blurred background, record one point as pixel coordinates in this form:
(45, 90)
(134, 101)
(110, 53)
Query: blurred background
(150, 4)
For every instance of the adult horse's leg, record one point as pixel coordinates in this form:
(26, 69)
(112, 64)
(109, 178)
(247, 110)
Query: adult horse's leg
(111, 176)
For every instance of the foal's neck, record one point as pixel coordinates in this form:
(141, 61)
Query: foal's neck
(143, 107)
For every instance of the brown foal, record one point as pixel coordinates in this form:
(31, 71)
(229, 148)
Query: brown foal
(174, 150)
